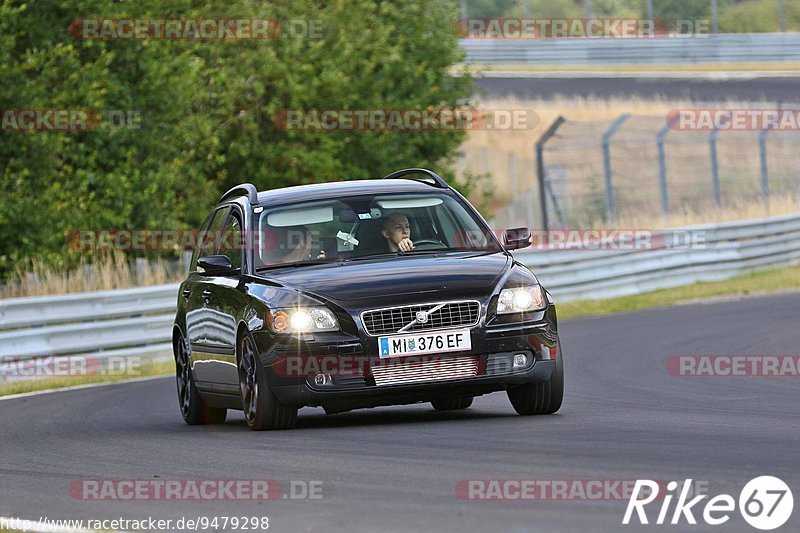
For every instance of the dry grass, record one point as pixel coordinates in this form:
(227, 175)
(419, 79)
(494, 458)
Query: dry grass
(107, 271)
(150, 369)
(508, 156)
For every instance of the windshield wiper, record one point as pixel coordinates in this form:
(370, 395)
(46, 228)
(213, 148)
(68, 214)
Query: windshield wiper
(308, 262)
(394, 254)
(371, 256)
(423, 252)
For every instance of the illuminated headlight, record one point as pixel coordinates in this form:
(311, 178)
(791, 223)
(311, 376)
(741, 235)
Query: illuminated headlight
(303, 320)
(520, 300)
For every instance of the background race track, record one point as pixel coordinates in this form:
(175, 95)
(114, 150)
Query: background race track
(699, 89)
(395, 469)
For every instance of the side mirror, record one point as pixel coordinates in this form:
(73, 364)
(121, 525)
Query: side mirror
(517, 238)
(215, 265)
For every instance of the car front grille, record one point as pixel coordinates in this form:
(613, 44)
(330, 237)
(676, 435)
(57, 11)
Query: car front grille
(441, 315)
(402, 371)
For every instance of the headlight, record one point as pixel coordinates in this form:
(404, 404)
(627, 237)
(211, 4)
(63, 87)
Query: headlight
(521, 299)
(303, 320)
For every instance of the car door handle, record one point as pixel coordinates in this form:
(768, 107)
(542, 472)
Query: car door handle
(186, 293)
(206, 295)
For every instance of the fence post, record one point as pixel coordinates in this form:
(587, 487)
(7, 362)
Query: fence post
(782, 15)
(662, 169)
(715, 16)
(762, 155)
(587, 9)
(615, 126)
(529, 208)
(540, 167)
(712, 144)
(512, 174)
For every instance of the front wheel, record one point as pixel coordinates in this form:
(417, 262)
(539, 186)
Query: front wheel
(193, 409)
(262, 410)
(542, 398)
(451, 404)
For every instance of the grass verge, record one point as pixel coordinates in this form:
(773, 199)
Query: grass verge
(146, 370)
(757, 282)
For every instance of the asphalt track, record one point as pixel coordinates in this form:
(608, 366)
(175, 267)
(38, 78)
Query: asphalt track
(395, 469)
(697, 89)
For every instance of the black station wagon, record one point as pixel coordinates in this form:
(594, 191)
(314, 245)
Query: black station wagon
(359, 294)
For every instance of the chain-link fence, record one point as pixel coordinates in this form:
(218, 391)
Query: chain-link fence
(635, 168)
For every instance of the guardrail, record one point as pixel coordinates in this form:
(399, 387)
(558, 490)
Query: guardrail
(98, 330)
(138, 322)
(722, 48)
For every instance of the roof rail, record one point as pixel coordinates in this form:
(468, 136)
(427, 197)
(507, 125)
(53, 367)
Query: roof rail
(241, 190)
(428, 176)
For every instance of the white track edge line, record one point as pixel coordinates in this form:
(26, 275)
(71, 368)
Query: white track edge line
(81, 387)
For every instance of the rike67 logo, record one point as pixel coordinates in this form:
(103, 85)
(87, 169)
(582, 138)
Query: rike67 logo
(765, 503)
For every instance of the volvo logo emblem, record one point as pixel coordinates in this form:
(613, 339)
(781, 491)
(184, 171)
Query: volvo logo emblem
(422, 317)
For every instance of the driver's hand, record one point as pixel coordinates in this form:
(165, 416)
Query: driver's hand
(406, 245)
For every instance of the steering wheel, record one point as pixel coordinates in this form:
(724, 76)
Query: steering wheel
(429, 242)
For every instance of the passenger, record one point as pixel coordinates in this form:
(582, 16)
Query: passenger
(397, 233)
(302, 240)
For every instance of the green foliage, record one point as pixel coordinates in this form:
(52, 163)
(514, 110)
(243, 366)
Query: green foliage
(207, 110)
(759, 16)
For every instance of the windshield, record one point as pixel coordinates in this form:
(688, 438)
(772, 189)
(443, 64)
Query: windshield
(362, 227)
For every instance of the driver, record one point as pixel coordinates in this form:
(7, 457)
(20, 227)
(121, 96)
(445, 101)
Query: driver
(397, 233)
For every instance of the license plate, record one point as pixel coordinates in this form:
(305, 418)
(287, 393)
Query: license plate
(424, 343)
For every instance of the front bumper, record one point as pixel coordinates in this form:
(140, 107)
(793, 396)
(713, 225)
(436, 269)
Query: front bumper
(344, 399)
(345, 362)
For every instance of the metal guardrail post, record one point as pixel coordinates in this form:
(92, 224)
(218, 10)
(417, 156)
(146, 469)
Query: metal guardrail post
(762, 155)
(662, 169)
(615, 126)
(782, 15)
(712, 145)
(512, 174)
(715, 16)
(540, 167)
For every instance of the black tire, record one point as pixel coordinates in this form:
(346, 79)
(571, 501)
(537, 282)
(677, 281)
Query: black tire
(262, 410)
(542, 398)
(451, 404)
(194, 410)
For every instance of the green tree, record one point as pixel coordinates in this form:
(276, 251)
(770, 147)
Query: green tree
(207, 109)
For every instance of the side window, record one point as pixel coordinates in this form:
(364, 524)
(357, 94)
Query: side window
(209, 238)
(231, 242)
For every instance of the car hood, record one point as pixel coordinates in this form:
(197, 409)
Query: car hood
(394, 280)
